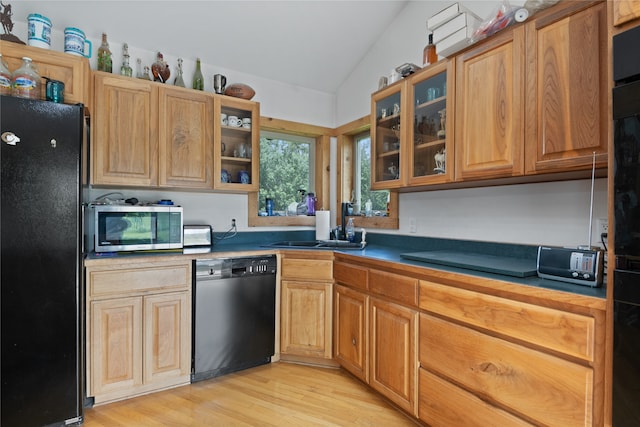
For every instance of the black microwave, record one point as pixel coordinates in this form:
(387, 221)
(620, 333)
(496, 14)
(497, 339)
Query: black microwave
(121, 228)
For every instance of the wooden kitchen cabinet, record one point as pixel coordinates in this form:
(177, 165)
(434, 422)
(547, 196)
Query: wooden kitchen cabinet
(625, 11)
(392, 355)
(124, 142)
(185, 138)
(306, 306)
(147, 134)
(351, 331)
(489, 110)
(138, 328)
(72, 70)
(388, 130)
(458, 349)
(237, 149)
(505, 358)
(430, 130)
(376, 329)
(567, 89)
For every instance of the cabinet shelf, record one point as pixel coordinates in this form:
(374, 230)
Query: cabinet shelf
(388, 118)
(389, 153)
(235, 159)
(442, 99)
(235, 129)
(431, 141)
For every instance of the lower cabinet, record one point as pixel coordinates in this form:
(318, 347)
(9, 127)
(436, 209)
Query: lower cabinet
(351, 315)
(459, 350)
(138, 329)
(518, 361)
(392, 353)
(306, 303)
(375, 335)
(306, 312)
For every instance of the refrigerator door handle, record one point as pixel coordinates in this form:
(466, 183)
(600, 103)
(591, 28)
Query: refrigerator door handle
(10, 138)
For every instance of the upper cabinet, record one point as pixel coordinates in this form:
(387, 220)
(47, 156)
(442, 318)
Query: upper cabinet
(388, 169)
(625, 11)
(429, 131)
(186, 138)
(124, 144)
(526, 102)
(237, 145)
(567, 88)
(147, 134)
(72, 70)
(489, 126)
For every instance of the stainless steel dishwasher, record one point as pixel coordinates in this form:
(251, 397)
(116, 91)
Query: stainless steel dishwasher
(234, 305)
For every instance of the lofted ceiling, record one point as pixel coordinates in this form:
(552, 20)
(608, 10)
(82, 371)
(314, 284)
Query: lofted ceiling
(312, 44)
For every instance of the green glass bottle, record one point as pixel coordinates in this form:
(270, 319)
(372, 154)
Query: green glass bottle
(198, 78)
(104, 56)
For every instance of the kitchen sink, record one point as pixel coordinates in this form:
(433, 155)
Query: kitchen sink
(317, 244)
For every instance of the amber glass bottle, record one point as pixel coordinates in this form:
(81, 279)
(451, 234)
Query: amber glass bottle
(429, 55)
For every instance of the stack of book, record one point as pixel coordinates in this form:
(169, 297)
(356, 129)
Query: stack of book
(453, 29)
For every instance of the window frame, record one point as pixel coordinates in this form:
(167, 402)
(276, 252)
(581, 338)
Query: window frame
(346, 155)
(322, 137)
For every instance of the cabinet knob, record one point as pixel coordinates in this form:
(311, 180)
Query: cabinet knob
(353, 341)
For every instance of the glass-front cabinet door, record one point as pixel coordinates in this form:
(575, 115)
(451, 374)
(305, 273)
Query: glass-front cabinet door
(430, 160)
(387, 134)
(237, 144)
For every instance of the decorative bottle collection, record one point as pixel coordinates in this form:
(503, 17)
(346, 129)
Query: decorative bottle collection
(104, 56)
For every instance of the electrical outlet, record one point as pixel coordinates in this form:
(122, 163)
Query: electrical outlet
(413, 226)
(603, 226)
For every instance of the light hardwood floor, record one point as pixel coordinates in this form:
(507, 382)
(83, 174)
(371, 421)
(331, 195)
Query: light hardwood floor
(279, 394)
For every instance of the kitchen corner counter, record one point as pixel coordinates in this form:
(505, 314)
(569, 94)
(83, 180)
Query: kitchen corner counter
(389, 258)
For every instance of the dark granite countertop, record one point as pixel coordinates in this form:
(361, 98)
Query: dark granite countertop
(383, 247)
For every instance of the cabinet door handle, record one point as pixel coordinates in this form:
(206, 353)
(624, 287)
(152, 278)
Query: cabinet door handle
(353, 341)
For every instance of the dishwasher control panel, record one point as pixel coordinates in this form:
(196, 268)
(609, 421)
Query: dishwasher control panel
(220, 268)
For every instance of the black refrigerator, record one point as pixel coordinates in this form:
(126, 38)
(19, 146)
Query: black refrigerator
(41, 266)
(626, 183)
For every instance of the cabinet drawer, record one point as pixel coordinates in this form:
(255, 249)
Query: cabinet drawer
(309, 269)
(557, 330)
(350, 275)
(444, 404)
(400, 288)
(547, 389)
(138, 280)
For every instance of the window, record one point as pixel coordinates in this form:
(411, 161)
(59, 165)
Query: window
(286, 171)
(362, 178)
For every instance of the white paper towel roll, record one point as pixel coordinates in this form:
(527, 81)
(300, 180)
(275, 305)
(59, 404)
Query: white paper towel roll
(323, 227)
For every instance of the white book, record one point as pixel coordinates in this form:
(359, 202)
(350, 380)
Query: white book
(445, 15)
(455, 42)
(465, 19)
